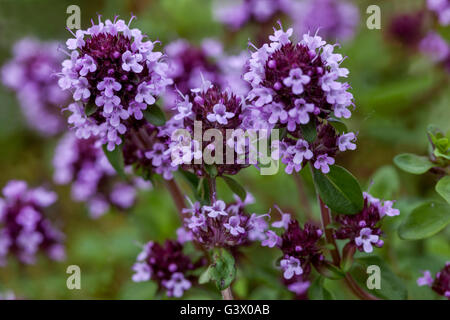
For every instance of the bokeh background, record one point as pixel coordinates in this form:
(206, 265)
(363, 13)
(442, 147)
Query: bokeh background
(398, 92)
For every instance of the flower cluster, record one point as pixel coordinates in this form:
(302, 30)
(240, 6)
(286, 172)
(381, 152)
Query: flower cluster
(24, 230)
(114, 76)
(223, 225)
(82, 163)
(31, 73)
(442, 9)
(294, 153)
(333, 19)
(362, 229)
(300, 247)
(167, 265)
(203, 109)
(441, 284)
(147, 148)
(294, 85)
(235, 14)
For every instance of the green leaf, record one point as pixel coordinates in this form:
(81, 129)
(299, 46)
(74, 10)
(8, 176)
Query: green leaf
(309, 131)
(154, 115)
(339, 190)
(391, 287)
(424, 221)
(223, 270)
(338, 125)
(90, 109)
(205, 277)
(385, 183)
(329, 270)
(413, 163)
(115, 158)
(443, 188)
(235, 187)
(317, 291)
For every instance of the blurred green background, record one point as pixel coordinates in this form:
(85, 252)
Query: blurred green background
(397, 94)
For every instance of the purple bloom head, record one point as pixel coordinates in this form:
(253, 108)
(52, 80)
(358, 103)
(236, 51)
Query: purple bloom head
(114, 73)
(363, 229)
(294, 85)
(332, 19)
(301, 77)
(31, 74)
(82, 163)
(223, 225)
(167, 265)
(24, 230)
(211, 110)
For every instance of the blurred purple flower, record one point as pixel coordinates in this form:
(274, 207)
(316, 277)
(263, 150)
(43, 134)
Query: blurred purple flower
(32, 75)
(24, 229)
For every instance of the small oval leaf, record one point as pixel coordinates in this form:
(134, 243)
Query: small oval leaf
(413, 163)
(235, 187)
(424, 221)
(116, 160)
(154, 115)
(443, 188)
(339, 190)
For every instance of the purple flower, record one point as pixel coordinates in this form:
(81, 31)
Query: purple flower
(111, 65)
(216, 209)
(131, 62)
(272, 240)
(284, 222)
(215, 109)
(220, 114)
(294, 84)
(291, 266)
(426, 280)
(363, 229)
(435, 47)
(144, 94)
(167, 265)
(142, 272)
(233, 226)
(322, 162)
(441, 283)
(109, 85)
(176, 285)
(296, 78)
(82, 163)
(30, 74)
(365, 239)
(24, 230)
(345, 141)
(223, 225)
